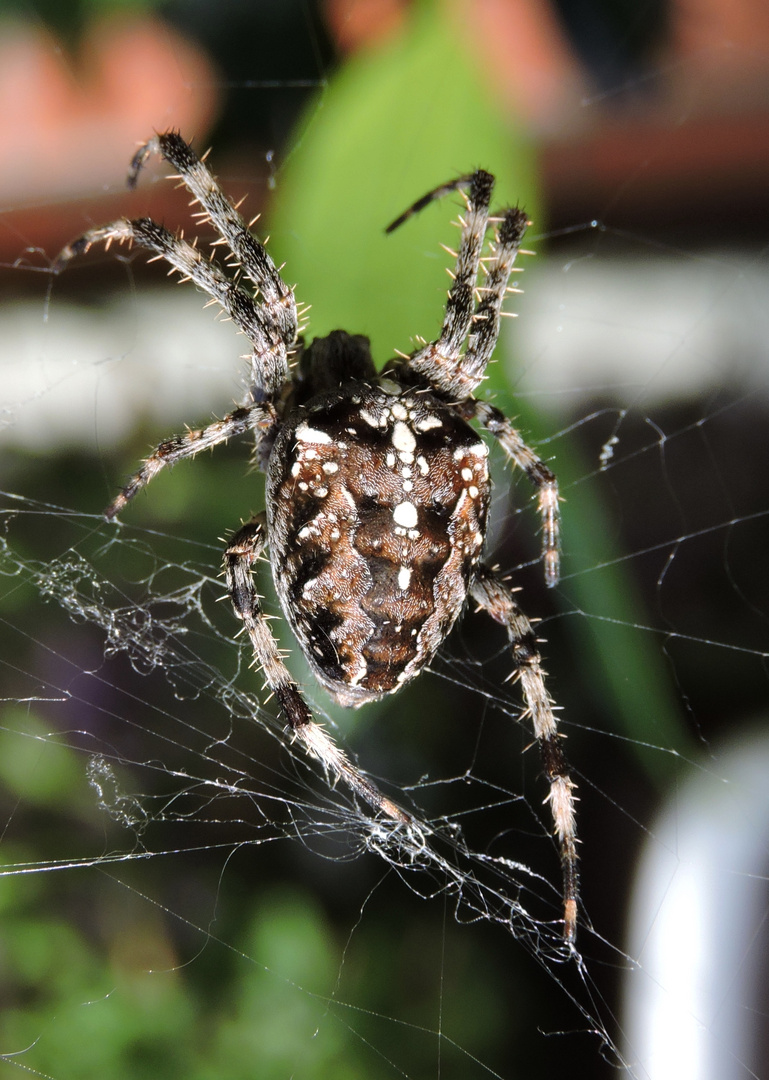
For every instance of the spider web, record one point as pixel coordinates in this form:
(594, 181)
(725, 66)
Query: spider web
(181, 888)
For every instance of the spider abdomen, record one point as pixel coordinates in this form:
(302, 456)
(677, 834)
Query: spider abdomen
(377, 500)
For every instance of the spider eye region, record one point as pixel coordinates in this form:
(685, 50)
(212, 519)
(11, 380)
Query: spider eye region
(377, 507)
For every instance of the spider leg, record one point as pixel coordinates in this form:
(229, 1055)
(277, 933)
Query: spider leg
(257, 418)
(486, 318)
(439, 361)
(248, 252)
(270, 350)
(496, 598)
(458, 184)
(242, 552)
(543, 479)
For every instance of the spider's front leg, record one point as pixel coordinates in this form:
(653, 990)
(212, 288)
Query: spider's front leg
(440, 362)
(271, 349)
(246, 250)
(496, 598)
(242, 552)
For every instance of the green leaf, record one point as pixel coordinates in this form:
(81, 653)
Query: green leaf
(393, 124)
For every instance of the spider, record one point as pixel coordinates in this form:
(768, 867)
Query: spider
(377, 487)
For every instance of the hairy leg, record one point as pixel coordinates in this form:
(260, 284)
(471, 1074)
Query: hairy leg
(270, 360)
(439, 361)
(496, 598)
(539, 474)
(242, 552)
(248, 252)
(256, 418)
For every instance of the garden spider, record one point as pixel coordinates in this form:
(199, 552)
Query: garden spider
(377, 490)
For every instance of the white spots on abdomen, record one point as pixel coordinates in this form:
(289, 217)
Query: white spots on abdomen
(306, 434)
(403, 438)
(405, 515)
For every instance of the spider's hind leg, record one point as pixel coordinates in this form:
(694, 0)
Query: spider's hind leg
(242, 552)
(496, 598)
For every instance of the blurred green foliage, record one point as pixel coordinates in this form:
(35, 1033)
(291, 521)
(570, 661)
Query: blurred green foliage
(68, 19)
(395, 122)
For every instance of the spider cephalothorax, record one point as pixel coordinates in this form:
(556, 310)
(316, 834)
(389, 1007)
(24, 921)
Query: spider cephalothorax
(377, 484)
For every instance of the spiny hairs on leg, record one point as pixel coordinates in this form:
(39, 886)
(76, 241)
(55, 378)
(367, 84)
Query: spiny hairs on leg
(496, 598)
(248, 418)
(277, 298)
(253, 319)
(242, 551)
(249, 253)
(440, 362)
(543, 479)
(486, 317)
(473, 308)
